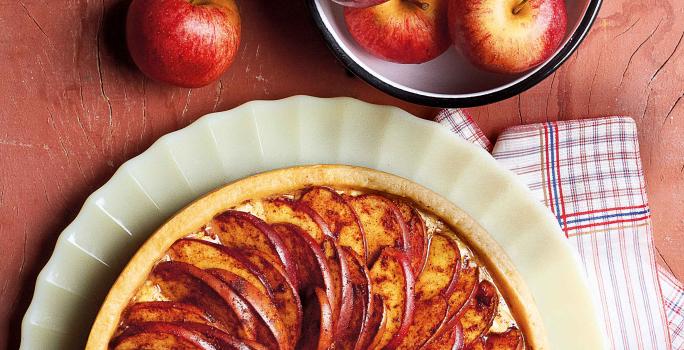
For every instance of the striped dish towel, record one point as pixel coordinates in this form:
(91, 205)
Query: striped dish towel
(588, 172)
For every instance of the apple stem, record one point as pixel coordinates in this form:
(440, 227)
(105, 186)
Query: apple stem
(422, 5)
(519, 7)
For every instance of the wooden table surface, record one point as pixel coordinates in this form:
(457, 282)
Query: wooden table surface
(73, 108)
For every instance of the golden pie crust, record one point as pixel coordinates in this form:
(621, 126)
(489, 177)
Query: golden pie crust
(508, 281)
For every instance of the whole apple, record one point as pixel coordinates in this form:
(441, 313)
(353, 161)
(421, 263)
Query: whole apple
(189, 43)
(401, 31)
(507, 36)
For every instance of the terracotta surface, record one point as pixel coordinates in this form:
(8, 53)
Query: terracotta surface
(73, 108)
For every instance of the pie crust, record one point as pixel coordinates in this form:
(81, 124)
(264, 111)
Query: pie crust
(489, 253)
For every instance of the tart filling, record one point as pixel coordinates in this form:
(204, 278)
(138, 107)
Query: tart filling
(320, 268)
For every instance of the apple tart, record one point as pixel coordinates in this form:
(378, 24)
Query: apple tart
(319, 257)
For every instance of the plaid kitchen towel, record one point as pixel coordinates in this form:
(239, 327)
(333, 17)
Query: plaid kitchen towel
(588, 172)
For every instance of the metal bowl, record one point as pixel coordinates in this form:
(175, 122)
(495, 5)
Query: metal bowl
(449, 80)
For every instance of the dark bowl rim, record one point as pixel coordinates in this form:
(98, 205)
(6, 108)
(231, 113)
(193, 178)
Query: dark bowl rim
(547, 69)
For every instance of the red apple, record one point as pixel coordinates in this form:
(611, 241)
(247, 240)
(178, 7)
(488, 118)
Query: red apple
(507, 36)
(401, 31)
(359, 3)
(188, 43)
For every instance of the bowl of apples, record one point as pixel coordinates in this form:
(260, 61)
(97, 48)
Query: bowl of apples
(453, 53)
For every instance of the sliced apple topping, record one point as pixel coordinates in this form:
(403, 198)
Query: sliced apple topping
(450, 337)
(417, 246)
(313, 270)
(348, 334)
(374, 324)
(342, 284)
(381, 222)
(442, 267)
(317, 333)
(339, 216)
(272, 325)
(166, 311)
(186, 283)
(284, 293)
(477, 316)
(207, 255)
(427, 318)
(511, 339)
(477, 344)
(392, 279)
(242, 230)
(297, 213)
(322, 270)
(160, 335)
(222, 340)
(379, 336)
(465, 287)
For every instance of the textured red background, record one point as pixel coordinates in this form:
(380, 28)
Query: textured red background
(72, 108)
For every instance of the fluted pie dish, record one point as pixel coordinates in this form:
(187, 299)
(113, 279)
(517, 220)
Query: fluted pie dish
(319, 257)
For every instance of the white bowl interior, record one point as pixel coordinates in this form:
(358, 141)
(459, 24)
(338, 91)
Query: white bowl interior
(449, 75)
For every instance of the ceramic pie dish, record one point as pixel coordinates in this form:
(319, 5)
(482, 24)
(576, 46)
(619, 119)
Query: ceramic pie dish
(452, 280)
(227, 146)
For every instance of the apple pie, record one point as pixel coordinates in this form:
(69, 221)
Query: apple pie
(319, 257)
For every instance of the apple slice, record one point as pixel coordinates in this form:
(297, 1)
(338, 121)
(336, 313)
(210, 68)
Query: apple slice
(347, 333)
(441, 269)
(165, 311)
(427, 318)
(297, 213)
(418, 238)
(381, 222)
(341, 278)
(285, 295)
(262, 305)
(160, 335)
(477, 316)
(312, 266)
(241, 230)
(183, 282)
(511, 339)
(451, 337)
(338, 215)
(208, 255)
(317, 332)
(477, 344)
(374, 323)
(465, 288)
(222, 340)
(354, 333)
(376, 343)
(393, 280)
